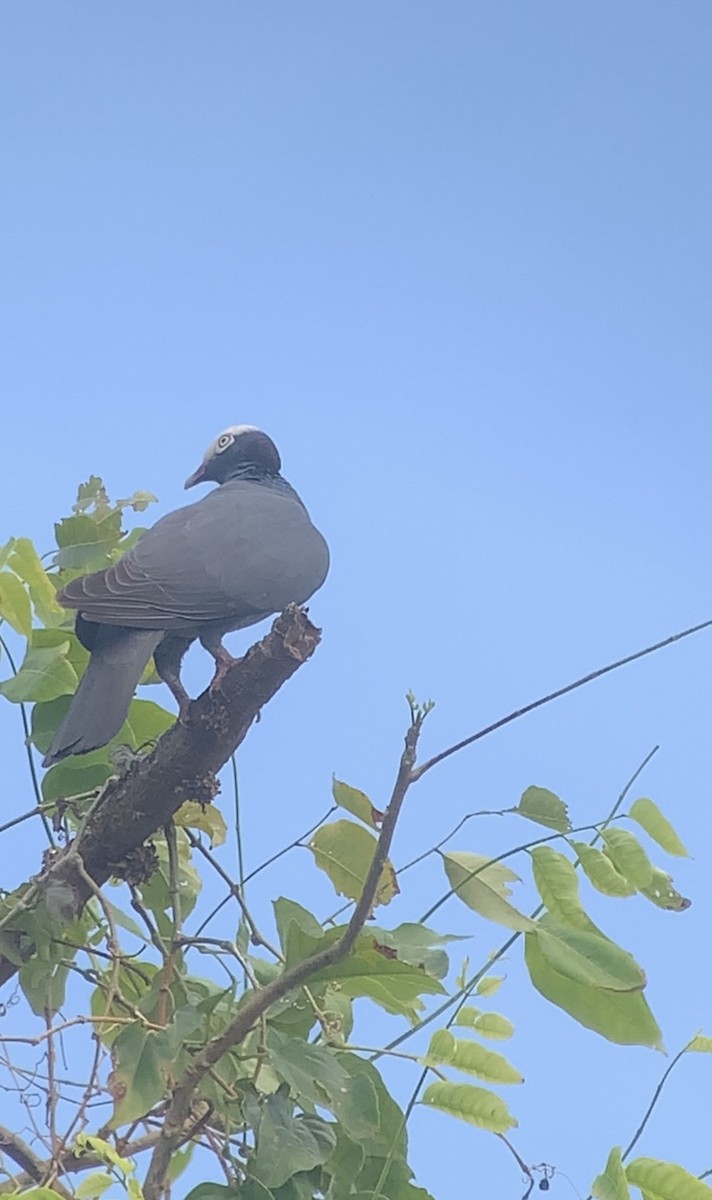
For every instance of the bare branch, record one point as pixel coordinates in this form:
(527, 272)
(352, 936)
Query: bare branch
(570, 687)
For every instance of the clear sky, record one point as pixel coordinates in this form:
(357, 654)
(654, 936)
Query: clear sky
(456, 259)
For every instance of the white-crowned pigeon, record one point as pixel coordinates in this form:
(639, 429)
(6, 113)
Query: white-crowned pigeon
(243, 552)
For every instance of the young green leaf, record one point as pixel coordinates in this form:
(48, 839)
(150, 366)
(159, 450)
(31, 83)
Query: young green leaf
(15, 607)
(665, 1181)
(487, 1024)
(356, 802)
(557, 884)
(345, 851)
(470, 1057)
(611, 1184)
(475, 1105)
(650, 818)
(489, 985)
(628, 856)
(542, 806)
(601, 872)
(481, 884)
(26, 562)
(700, 1044)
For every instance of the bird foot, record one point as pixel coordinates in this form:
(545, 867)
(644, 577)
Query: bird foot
(223, 661)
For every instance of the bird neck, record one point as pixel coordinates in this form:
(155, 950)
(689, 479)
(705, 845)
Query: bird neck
(253, 473)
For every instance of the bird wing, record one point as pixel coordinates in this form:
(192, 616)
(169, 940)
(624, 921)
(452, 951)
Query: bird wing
(245, 550)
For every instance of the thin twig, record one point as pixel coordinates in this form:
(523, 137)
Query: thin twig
(258, 939)
(299, 841)
(570, 687)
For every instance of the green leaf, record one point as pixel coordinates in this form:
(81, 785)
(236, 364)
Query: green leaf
(44, 675)
(481, 884)
(356, 802)
(589, 957)
(487, 1024)
(390, 1135)
(94, 1185)
(6, 551)
(394, 985)
(489, 985)
(611, 1185)
(144, 724)
(418, 945)
(41, 1193)
(662, 893)
(665, 1181)
(345, 852)
(74, 779)
(44, 984)
(601, 872)
(475, 1105)
(628, 856)
(622, 1017)
(700, 1044)
(15, 605)
(106, 1152)
(26, 563)
(470, 1057)
(557, 884)
(138, 501)
(315, 1073)
(650, 818)
(205, 817)
(299, 931)
(251, 1190)
(287, 1144)
(85, 543)
(540, 805)
(143, 1063)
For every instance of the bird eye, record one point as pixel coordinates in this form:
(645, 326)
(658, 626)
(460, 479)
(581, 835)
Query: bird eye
(225, 440)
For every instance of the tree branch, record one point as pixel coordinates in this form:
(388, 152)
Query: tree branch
(256, 1004)
(183, 765)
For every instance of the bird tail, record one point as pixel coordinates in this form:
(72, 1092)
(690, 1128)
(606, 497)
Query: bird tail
(101, 702)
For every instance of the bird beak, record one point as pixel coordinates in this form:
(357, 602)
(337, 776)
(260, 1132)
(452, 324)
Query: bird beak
(196, 477)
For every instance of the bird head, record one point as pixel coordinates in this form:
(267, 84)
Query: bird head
(240, 450)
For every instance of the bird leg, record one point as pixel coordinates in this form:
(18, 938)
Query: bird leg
(223, 659)
(168, 657)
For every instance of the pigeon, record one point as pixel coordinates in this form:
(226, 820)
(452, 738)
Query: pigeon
(242, 553)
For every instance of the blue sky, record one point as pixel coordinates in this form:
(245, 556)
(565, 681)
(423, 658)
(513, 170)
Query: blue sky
(455, 259)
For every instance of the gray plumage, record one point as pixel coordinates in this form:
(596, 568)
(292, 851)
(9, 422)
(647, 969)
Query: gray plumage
(243, 552)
